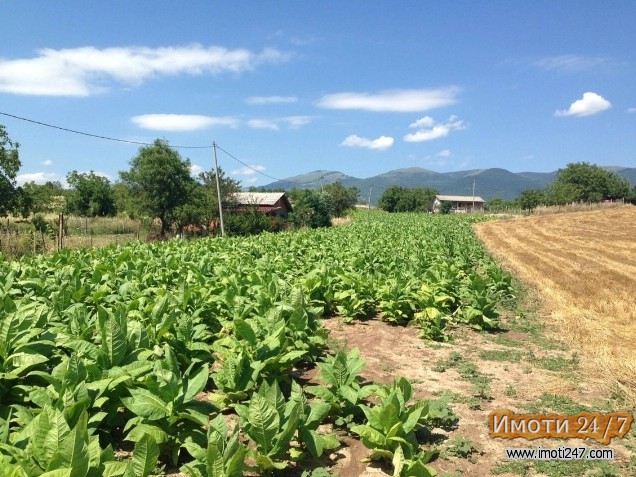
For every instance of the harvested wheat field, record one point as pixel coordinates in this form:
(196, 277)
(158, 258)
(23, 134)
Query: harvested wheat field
(583, 266)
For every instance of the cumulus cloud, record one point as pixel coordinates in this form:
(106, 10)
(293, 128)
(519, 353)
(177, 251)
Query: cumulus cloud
(248, 171)
(196, 169)
(381, 143)
(275, 124)
(427, 129)
(181, 122)
(38, 177)
(631, 110)
(590, 103)
(398, 100)
(47, 162)
(88, 70)
(271, 99)
(444, 153)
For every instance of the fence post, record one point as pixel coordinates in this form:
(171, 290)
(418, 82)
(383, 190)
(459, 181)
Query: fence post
(60, 231)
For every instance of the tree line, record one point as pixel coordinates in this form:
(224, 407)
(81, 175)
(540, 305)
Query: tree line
(159, 185)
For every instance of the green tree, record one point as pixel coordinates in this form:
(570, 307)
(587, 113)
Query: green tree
(159, 181)
(228, 185)
(404, 199)
(342, 198)
(311, 208)
(9, 167)
(591, 183)
(45, 198)
(446, 207)
(529, 199)
(90, 195)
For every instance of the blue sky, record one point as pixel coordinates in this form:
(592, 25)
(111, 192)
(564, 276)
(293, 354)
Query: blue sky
(290, 87)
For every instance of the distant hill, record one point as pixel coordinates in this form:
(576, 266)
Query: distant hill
(489, 183)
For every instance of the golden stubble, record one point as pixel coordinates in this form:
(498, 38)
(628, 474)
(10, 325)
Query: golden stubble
(583, 266)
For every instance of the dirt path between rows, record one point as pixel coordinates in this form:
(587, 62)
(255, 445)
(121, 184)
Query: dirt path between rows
(516, 370)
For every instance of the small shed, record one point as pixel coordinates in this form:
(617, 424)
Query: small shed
(275, 204)
(460, 203)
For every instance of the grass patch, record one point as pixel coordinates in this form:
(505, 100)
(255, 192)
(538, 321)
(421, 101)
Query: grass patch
(500, 355)
(556, 362)
(555, 403)
(558, 468)
(468, 371)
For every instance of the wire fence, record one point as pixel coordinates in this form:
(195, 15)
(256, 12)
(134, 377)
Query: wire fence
(41, 234)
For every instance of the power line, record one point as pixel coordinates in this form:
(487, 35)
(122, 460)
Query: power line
(128, 141)
(98, 136)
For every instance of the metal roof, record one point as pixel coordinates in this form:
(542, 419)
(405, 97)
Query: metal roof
(459, 198)
(258, 198)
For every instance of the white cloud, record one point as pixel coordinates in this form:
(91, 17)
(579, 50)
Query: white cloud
(399, 100)
(88, 70)
(196, 169)
(47, 162)
(444, 153)
(590, 103)
(181, 122)
(381, 143)
(631, 110)
(248, 171)
(271, 99)
(292, 122)
(571, 63)
(39, 177)
(428, 129)
(263, 124)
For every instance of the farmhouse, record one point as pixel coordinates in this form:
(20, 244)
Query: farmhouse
(460, 203)
(270, 203)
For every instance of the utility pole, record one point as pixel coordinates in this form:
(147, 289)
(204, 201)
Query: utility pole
(370, 189)
(473, 196)
(218, 190)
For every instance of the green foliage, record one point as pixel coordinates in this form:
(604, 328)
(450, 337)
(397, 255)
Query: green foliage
(391, 429)
(311, 208)
(342, 198)
(9, 167)
(342, 387)
(446, 207)
(90, 195)
(591, 183)
(159, 181)
(530, 199)
(404, 199)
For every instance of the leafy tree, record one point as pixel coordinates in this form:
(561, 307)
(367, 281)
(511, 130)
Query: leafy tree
(632, 195)
(311, 208)
(404, 199)
(159, 181)
(9, 167)
(342, 198)
(446, 207)
(45, 198)
(90, 195)
(229, 187)
(591, 183)
(530, 199)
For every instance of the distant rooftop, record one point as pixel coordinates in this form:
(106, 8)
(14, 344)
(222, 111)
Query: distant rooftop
(258, 198)
(459, 198)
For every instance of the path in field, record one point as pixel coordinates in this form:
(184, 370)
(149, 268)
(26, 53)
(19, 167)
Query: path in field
(392, 351)
(583, 265)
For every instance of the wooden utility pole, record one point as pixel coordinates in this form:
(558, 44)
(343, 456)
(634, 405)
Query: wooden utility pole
(218, 190)
(60, 231)
(473, 196)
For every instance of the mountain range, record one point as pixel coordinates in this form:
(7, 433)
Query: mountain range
(489, 183)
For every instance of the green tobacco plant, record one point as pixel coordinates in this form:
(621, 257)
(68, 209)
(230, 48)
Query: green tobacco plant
(270, 423)
(167, 408)
(312, 415)
(224, 455)
(342, 388)
(391, 425)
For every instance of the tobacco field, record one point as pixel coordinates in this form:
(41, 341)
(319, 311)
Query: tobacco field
(188, 356)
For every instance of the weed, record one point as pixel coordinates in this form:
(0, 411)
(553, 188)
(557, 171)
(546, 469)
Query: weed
(460, 446)
(510, 391)
(556, 403)
(500, 355)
